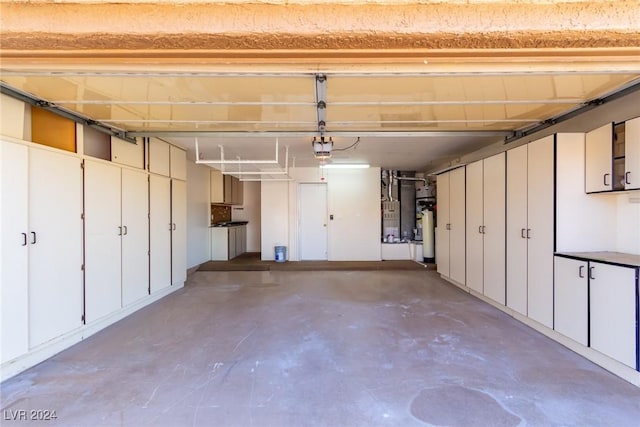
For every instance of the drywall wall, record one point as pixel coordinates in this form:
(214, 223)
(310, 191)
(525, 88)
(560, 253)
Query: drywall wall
(628, 223)
(198, 211)
(353, 199)
(274, 206)
(354, 202)
(250, 211)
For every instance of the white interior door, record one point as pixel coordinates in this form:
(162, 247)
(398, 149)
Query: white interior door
(103, 230)
(312, 229)
(14, 250)
(474, 227)
(135, 239)
(55, 251)
(160, 232)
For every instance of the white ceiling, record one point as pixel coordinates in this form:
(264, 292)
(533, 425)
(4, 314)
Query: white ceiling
(403, 121)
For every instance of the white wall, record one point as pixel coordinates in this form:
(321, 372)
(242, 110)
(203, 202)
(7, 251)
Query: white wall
(250, 211)
(584, 222)
(628, 223)
(353, 199)
(274, 207)
(354, 202)
(198, 214)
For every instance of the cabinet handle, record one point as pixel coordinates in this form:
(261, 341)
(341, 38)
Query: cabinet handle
(119, 230)
(33, 238)
(522, 231)
(581, 272)
(170, 226)
(480, 229)
(626, 178)
(24, 239)
(605, 179)
(126, 231)
(528, 233)
(484, 229)
(174, 226)
(591, 276)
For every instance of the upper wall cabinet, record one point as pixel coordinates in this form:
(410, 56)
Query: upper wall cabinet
(612, 154)
(225, 189)
(178, 163)
(632, 154)
(159, 157)
(50, 129)
(127, 153)
(166, 159)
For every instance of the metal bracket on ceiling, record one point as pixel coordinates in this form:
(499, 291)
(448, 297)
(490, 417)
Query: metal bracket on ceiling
(63, 112)
(239, 162)
(321, 102)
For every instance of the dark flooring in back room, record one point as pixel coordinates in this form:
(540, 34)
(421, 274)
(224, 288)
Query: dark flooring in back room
(321, 348)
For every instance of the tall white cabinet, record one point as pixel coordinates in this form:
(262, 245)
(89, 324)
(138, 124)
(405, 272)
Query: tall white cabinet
(529, 232)
(160, 227)
(485, 225)
(168, 215)
(178, 231)
(41, 246)
(116, 237)
(450, 233)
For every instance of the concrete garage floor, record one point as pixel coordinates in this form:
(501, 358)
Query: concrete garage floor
(318, 348)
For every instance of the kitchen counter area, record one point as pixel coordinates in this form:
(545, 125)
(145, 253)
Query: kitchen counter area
(228, 240)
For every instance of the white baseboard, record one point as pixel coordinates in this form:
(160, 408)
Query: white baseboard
(51, 348)
(621, 370)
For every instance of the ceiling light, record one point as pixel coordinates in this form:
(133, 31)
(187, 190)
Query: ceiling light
(345, 166)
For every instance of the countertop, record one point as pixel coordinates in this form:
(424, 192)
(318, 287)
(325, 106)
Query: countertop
(618, 258)
(230, 224)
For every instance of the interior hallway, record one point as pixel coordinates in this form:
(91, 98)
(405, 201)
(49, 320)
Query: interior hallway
(321, 348)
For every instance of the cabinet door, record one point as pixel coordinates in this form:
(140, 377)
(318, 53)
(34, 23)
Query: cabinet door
(474, 223)
(103, 234)
(493, 231)
(228, 189)
(442, 229)
(55, 256)
(613, 300)
(516, 229)
(126, 153)
(14, 250)
(160, 232)
(540, 231)
(219, 244)
(570, 296)
(632, 154)
(217, 186)
(178, 163)
(457, 235)
(236, 191)
(135, 239)
(159, 157)
(179, 231)
(598, 158)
